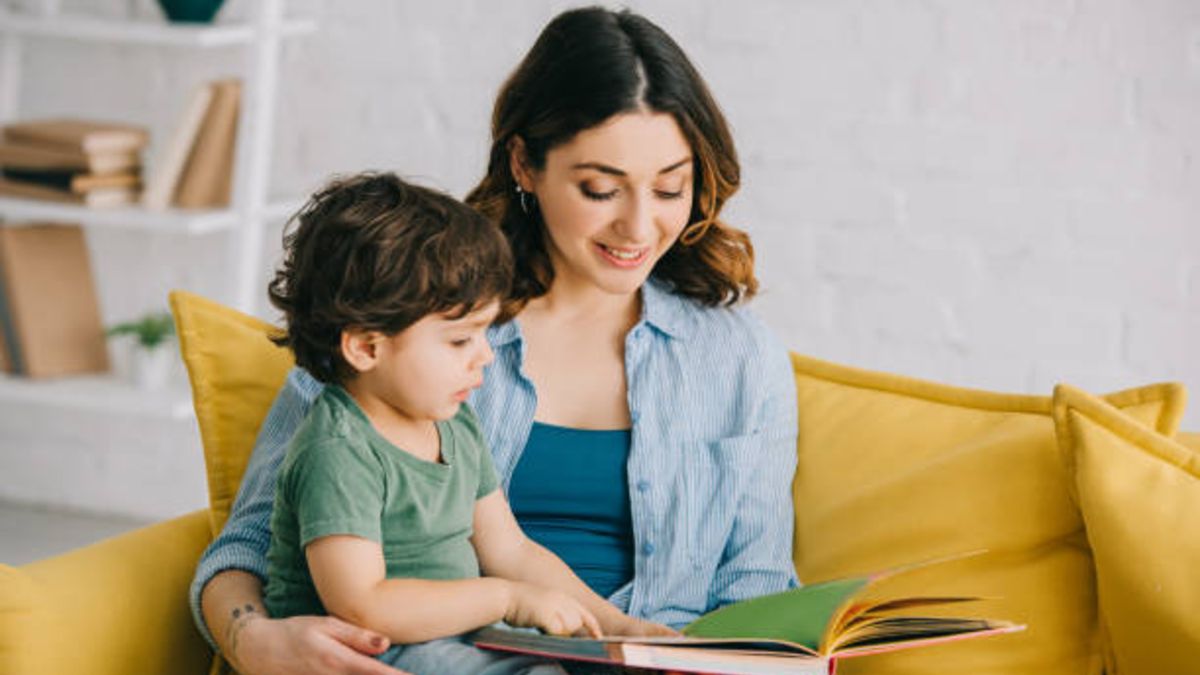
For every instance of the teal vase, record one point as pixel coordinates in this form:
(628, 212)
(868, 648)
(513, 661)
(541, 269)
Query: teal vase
(190, 11)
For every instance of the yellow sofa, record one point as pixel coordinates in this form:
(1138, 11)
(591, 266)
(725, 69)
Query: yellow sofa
(891, 470)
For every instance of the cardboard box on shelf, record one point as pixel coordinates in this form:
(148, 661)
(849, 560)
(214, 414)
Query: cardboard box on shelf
(48, 308)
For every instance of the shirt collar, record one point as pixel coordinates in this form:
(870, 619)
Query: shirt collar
(504, 333)
(669, 313)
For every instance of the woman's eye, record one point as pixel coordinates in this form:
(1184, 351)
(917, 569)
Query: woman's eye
(668, 194)
(460, 342)
(597, 196)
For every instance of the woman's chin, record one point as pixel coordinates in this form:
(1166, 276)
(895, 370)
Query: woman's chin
(621, 284)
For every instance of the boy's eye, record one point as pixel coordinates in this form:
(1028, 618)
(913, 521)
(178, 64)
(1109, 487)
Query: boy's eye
(460, 342)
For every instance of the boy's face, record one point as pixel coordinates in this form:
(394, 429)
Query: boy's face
(426, 371)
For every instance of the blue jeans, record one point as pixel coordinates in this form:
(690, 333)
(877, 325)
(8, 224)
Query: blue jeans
(456, 656)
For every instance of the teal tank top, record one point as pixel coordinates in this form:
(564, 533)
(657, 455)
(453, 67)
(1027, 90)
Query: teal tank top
(570, 493)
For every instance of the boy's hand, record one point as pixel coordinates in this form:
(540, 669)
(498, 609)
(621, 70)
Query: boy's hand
(632, 627)
(552, 611)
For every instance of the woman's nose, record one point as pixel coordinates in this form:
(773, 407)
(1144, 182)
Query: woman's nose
(637, 220)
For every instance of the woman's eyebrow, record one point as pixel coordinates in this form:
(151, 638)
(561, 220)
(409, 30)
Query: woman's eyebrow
(614, 171)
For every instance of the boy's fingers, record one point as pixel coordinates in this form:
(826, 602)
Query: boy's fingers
(591, 624)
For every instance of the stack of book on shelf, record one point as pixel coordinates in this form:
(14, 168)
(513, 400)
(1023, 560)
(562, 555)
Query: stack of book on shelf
(72, 160)
(194, 168)
(49, 316)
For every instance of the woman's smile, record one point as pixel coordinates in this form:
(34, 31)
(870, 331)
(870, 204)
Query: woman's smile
(623, 257)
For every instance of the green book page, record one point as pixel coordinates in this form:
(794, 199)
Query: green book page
(799, 615)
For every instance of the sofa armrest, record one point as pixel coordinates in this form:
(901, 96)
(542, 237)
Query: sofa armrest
(118, 606)
(1189, 439)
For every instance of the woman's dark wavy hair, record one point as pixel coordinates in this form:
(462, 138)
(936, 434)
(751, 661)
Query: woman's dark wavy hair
(371, 251)
(590, 64)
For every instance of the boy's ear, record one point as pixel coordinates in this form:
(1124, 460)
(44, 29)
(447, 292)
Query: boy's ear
(360, 348)
(518, 163)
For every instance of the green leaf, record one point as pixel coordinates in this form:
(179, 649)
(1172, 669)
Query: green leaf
(151, 330)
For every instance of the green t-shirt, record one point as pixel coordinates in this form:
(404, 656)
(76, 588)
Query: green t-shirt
(340, 476)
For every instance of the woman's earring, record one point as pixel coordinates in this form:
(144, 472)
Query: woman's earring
(526, 200)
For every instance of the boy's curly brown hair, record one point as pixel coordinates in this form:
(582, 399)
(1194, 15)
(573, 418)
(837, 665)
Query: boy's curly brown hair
(371, 251)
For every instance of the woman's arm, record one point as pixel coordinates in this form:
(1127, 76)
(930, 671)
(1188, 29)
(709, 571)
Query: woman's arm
(308, 645)
(350, 575)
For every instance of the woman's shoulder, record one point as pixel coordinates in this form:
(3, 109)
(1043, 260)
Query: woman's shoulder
(736, 329)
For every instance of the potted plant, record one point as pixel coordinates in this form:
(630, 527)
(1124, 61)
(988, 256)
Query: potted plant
(152, 358)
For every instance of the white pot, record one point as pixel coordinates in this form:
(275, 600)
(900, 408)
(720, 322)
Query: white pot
(152, 367)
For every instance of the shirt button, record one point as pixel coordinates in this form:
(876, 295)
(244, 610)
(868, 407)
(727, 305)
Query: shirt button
(643, 485)
(648, 548)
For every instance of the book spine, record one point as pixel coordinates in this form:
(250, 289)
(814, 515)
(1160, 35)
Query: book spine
(11, 358)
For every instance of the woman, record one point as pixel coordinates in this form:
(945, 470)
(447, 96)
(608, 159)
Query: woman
(642, 425)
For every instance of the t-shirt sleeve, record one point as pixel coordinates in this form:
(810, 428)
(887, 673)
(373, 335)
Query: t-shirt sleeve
(488, 480)
(336, 487)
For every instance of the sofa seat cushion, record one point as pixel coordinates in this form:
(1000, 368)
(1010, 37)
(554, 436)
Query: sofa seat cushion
(894, 471)
(1139, 493)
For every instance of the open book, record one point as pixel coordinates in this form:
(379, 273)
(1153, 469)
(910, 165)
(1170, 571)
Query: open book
(804, 630)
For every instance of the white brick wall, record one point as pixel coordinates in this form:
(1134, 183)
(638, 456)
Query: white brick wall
(994, 194)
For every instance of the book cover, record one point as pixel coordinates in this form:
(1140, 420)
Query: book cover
(87, 136)
(172, 156)
(72, 181)
(50, 312)
(5, 359)
(805, 630)
(207, 178)
(102, 197)
(33, 156)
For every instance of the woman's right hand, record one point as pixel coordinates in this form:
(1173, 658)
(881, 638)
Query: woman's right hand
(307, 645)
(554, 612)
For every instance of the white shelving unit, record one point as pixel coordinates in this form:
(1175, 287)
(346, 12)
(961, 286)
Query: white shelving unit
(55, 25)
(242, 223)
(172, 221)
(96, 393)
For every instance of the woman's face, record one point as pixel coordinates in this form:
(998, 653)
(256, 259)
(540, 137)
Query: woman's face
(614, 199)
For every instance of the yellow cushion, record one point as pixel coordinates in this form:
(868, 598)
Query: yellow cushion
(1139, 493)
(235, 373)
(894, 470)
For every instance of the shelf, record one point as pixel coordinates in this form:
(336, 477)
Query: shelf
(97, 393)
(70, 27)
(14, 211)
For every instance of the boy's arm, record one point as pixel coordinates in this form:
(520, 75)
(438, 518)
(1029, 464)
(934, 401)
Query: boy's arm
(350, 575)
(504, 551)
(229, 576)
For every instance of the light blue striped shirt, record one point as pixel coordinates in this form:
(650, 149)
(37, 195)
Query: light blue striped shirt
(713, 405)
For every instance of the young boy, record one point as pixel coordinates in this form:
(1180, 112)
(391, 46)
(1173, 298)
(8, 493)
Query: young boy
(387, 507)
